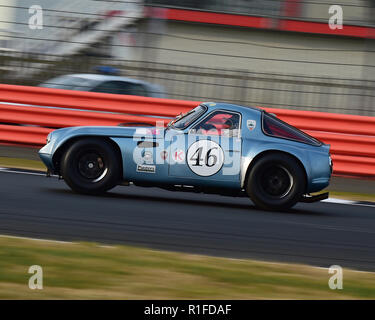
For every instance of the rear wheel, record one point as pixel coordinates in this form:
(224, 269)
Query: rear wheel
(276, 182)
(91, 166)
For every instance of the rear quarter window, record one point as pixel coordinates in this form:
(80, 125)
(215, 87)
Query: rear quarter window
(275, 127)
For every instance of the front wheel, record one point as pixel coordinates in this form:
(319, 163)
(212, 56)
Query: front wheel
(276, 182)
(91, 166)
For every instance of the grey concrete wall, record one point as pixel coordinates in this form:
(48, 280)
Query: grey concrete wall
(6, 14)
(269, 68)
(354, 11)
(255, 50)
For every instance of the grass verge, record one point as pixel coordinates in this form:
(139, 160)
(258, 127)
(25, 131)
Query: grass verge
(90, 271)
(352, 196)
(22, 163)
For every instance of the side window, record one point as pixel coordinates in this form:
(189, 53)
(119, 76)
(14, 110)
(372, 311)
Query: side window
(219, 123)
(134, 89)
(108, 87)
(121, 87)
(273, 126)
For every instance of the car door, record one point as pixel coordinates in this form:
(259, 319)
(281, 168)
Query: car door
(209, 153)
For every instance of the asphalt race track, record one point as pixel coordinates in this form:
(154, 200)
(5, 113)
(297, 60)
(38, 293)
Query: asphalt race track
(321, 234)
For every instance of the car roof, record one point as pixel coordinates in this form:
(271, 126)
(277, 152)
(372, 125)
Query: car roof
(104, 77)
(230, 106)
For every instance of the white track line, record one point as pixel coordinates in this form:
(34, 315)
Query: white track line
(349, 202)
(35, 239)
(335, 200)
(52, 241)
(8, 170)
(21, 172)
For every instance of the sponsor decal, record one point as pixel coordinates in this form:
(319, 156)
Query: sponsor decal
(147, 157)
(142, 131)
(205, 158)
(164, 155)
(147, 131)
(251, 124)
(146, 168)
(179, 155)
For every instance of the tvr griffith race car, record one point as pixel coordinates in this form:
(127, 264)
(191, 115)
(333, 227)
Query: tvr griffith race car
(214, 148)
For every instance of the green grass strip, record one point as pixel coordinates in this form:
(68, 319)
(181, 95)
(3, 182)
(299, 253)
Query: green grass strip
(90, 271)
(22, 163)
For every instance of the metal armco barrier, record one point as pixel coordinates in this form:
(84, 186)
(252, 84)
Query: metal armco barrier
(28, 114)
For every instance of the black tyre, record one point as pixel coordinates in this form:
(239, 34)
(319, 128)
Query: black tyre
(276, 182)
(91, 166)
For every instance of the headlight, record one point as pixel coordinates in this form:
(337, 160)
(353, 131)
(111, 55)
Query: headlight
(330, 163)
(48, 140)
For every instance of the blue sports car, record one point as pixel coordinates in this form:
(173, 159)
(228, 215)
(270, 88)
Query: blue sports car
(214, 148)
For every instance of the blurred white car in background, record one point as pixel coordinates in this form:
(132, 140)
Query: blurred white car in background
(106, 84)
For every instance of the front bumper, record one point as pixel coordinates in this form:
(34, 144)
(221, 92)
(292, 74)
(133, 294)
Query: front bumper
(45, 154)
(47, 160)
(315, 198)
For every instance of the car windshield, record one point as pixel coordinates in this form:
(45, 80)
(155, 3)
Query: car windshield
(70, 83)
(185, 119)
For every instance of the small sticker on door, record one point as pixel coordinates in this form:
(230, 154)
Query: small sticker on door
(164, 154)
(178, 156)
(251, 124)
(146, 168)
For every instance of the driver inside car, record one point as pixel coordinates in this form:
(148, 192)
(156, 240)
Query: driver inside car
(218, 124)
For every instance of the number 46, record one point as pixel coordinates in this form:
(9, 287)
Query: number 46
(210, 159)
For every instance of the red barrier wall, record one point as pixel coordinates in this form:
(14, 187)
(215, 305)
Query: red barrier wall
(352, 138)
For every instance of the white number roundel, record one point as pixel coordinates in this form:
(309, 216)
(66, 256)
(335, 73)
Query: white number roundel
(205, 157)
